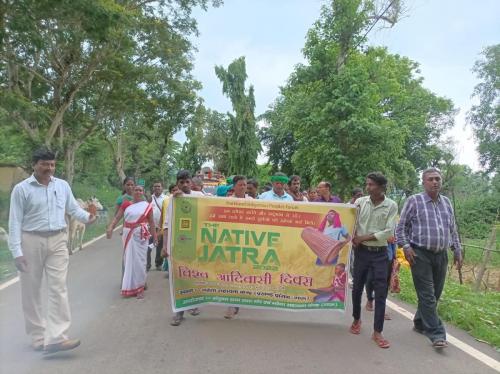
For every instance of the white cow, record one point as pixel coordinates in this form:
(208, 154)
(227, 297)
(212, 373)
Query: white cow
(95, 201)
(4, 235)
(101, 213)
(76, 229)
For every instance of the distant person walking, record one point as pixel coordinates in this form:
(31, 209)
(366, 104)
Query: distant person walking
(157, 201)
(325, 195)
(277, 193)
(294, 189)
(252, 188)
(355, 195)
(128, 191)
(38, 241)
(240, 189)
(426, 230)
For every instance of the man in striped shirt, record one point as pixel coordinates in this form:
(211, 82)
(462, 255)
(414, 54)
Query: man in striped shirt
(426, 230)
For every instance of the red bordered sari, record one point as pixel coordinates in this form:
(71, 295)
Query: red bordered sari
(135, 246)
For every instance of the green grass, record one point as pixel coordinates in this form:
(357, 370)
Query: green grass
(106, 195)
(477, 313)
(7, 267)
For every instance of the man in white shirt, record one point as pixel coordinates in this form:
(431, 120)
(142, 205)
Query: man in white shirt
(38, 241)
(184, 184)
(157, 201)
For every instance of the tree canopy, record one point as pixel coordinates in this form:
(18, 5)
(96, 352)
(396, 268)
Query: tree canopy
(72, 69)
(353, 108)
(243, 143)
(485, 116)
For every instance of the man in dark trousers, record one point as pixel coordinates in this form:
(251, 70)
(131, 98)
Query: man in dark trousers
(426, 230)
(376, 217)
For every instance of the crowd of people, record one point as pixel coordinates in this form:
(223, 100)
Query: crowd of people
(38, 237)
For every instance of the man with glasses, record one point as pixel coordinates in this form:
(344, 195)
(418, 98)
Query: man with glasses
(325, 193)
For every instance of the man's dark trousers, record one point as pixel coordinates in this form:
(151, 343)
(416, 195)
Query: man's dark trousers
(429, 275)
(369, 281)
(158, 258)
(375, 261)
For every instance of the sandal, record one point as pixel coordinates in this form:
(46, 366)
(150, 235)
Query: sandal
(37, 345)
(440, 343)
(230, 312)
(176, 321)
(369, 306)
(194, 312)
(387, 316)
(417, 330)
(355, 327)
(140, 295)
(381, 341)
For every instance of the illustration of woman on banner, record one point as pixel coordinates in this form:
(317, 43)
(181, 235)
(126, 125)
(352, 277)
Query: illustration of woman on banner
(335, 292)
(328, 239)
(137, 214)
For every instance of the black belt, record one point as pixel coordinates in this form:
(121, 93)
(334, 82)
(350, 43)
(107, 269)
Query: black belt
(373, 249)
(419, 247)
(46, 233)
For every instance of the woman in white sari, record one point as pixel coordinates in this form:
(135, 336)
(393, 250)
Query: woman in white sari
(137, 214)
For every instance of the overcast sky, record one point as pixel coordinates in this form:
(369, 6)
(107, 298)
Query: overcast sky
(444, 36)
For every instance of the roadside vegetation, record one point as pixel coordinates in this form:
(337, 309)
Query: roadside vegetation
(478, 313)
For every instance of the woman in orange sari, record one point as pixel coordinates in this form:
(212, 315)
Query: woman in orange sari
(138, 214)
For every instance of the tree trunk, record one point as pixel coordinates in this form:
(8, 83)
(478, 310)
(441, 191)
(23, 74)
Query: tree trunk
(69, 164)
(119, 156)
(486, 258)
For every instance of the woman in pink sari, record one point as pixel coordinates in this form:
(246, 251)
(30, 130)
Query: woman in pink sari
(137, 214)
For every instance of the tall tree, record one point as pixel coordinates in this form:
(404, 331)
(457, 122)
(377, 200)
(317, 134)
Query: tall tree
(192, 157)
(61, 59)
(216, 140)
(243, 143)
(485, 116)
(353, 109)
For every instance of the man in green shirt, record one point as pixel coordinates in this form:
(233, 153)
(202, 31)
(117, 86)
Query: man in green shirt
(375, 224)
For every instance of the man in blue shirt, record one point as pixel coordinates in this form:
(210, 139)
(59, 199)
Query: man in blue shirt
(278, 192)
(38, 241)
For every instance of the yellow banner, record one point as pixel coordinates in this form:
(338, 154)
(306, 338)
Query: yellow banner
(265, 254)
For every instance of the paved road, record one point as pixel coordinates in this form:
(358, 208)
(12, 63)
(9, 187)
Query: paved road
(134, 336)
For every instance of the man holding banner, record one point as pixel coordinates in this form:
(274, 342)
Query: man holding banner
(376, 221)
(257, 253)
(240, 189)
(184, 187)
(278, 192)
